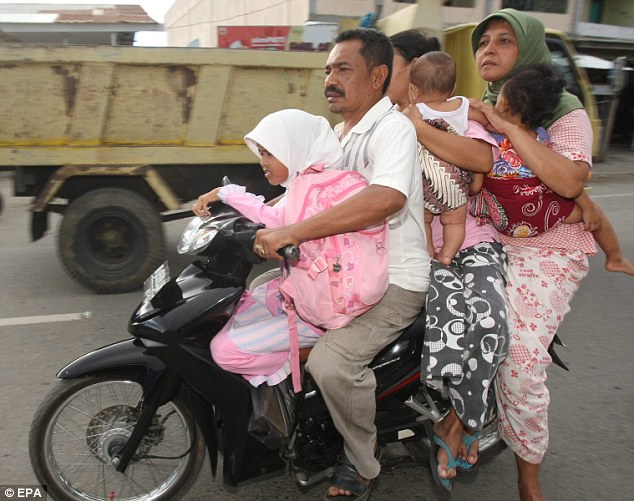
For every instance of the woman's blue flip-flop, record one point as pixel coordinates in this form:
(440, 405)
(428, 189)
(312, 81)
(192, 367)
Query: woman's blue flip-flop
(435, 443)
(463, 464)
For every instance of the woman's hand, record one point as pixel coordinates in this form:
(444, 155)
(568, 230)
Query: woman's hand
(200, 206)
(496, 123)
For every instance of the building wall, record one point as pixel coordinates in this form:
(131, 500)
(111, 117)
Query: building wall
(195, 22)
(189, 21)
(619, 13)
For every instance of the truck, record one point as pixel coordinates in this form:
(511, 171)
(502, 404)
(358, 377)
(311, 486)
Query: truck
(116, 139)
(119, 139)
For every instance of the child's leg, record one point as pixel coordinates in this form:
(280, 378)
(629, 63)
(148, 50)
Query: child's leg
(606, 238)
(429, 217)
(453, 229)
(229, 357)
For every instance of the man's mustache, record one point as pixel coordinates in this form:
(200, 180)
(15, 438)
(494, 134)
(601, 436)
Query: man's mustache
(333, 89)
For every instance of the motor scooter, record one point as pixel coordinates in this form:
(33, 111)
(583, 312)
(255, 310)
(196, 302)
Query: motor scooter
(133, 420)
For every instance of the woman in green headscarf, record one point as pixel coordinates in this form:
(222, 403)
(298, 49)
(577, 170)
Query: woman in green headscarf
(544, 271)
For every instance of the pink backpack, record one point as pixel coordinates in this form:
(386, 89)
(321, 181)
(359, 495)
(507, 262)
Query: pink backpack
(338, 277)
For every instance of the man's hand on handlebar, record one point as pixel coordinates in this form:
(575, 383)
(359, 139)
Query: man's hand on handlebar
(200, 207)
(268, 241)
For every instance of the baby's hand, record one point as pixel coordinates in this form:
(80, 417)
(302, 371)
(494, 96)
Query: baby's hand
(591, 218)
(413, 113)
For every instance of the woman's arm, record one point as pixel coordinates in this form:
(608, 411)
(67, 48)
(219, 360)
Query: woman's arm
(464, 152)
(565, 177)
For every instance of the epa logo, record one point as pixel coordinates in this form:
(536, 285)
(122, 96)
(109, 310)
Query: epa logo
(24, 493)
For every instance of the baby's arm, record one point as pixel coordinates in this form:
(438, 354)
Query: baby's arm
(477, 180)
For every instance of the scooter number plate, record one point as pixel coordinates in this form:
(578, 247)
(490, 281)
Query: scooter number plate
(156, 281)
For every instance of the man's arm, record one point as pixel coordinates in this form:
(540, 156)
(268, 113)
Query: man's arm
(369, 207)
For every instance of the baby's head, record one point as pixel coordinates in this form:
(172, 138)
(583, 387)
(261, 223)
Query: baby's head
(289, 141)
(432, 74)
(532, 94)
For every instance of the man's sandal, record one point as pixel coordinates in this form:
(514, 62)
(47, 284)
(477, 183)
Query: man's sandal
(347, 478)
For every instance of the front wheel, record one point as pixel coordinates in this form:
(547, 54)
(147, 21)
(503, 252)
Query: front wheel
(81, 425)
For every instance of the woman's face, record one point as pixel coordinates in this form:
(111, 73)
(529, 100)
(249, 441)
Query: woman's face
(497, 51)
(399, 84)
(274, 170)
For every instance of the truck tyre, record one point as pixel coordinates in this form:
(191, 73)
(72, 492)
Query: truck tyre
(110, 240)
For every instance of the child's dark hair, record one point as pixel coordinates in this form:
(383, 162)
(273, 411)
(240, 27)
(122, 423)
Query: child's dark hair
(533, 93)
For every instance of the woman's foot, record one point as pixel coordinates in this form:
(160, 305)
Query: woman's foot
(469, 449)
(622, 265)
(449, 430)
(528, 480)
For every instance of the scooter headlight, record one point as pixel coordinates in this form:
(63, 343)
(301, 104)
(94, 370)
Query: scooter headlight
(197, 235)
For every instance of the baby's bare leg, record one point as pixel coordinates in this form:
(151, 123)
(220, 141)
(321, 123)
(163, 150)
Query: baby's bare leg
(429, 217)
(606, 238)
(453, 231)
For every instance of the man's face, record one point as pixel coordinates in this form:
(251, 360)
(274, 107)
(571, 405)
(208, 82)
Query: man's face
(349, 84)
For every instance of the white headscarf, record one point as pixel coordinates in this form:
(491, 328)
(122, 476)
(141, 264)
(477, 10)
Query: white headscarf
(298, 140)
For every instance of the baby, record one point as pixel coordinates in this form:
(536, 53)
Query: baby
(445, 186)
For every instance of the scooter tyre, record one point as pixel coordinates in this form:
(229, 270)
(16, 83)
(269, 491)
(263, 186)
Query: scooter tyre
(64, 484)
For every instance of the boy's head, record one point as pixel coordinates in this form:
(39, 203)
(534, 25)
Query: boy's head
(432, 74)
(532, 94)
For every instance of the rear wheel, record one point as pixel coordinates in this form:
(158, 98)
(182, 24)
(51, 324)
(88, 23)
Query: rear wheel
(110, 240)
(81, 425)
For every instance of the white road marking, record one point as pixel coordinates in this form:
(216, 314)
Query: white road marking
(43, 319)
(612, 196)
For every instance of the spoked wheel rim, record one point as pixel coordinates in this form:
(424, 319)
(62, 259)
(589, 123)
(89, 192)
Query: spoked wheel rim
(92, 425)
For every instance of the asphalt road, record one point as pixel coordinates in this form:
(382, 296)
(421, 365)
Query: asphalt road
(592, 442)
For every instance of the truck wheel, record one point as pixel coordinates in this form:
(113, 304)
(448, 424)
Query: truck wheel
(110, 240)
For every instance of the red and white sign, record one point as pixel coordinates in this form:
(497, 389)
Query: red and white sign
(316, 37)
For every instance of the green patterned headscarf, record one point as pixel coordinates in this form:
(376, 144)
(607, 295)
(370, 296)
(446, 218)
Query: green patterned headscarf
(531, 40)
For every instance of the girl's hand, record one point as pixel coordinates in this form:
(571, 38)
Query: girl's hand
(200, 206)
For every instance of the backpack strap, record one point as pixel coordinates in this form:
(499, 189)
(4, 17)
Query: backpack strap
(294, 347)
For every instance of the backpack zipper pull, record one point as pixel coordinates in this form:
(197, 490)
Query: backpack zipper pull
(336, 267)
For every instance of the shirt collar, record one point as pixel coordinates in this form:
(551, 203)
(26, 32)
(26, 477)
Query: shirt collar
(372, 115)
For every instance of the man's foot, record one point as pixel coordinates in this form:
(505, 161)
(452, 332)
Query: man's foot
(622, 265)
(347, 483)
(334, 491)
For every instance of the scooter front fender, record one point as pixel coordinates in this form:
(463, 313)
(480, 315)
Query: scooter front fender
(126, 354)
